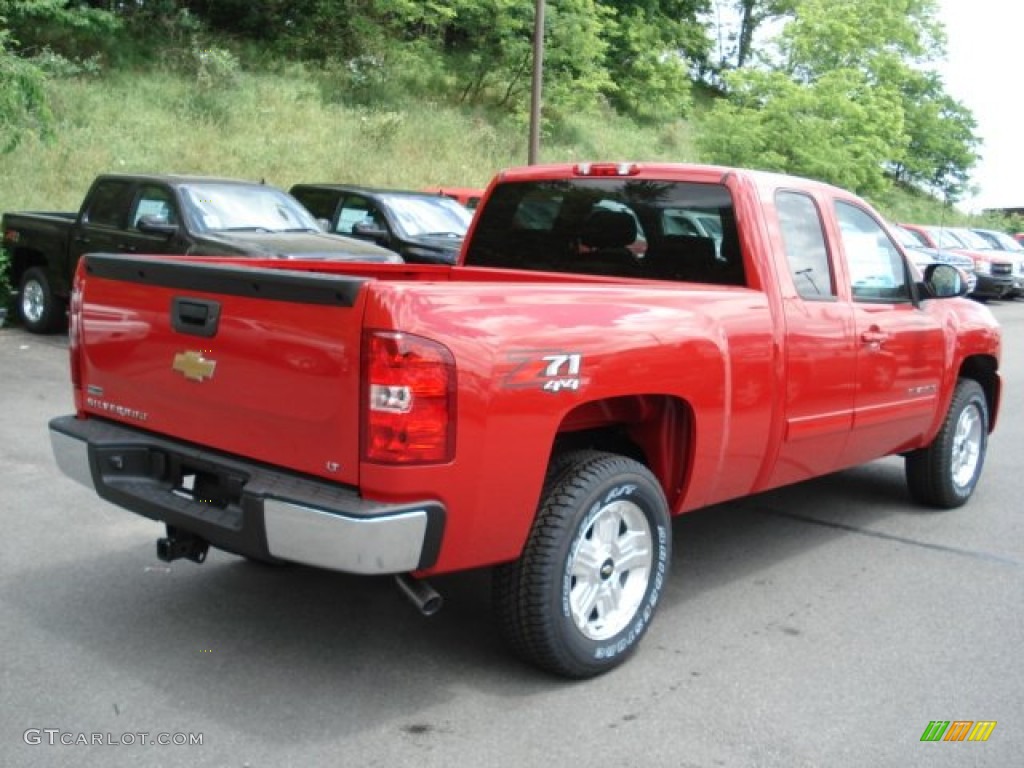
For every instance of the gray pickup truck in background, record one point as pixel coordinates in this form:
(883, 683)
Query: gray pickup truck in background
(162, 214)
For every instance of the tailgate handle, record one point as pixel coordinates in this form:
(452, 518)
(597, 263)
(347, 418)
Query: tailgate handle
(196, 317)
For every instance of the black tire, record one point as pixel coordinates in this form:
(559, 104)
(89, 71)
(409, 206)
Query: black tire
(945, 473)
(40, 310)
(600, 508)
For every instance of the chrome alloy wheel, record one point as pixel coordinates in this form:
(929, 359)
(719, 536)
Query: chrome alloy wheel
(33, 301)
(967, 443)
(609, 569)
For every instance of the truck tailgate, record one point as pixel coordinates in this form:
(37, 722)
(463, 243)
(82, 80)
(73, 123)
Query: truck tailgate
(257, 362)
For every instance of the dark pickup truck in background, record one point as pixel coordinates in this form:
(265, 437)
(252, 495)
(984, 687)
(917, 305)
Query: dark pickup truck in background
(161, 214)
(422, 227)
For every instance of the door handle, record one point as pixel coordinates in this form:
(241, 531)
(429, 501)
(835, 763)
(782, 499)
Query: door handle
(128, 248)
(196, 317)
(874, 337)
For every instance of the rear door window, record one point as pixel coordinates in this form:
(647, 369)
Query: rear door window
(109, 203)
(321, 203)
(804, 241)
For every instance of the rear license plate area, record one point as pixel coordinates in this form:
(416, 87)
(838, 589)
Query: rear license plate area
(207, 486)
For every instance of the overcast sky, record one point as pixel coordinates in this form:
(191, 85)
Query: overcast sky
(985, 42)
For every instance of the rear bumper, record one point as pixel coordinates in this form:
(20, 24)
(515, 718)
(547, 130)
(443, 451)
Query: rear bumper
(258, 512)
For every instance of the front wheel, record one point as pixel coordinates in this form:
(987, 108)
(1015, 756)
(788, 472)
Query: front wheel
(40, 310)
(593, 570)
(945, 473)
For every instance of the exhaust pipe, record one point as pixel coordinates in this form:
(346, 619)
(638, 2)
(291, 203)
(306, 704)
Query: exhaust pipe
(423, 596)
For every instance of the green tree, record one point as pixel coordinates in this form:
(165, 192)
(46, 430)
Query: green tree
(754, 15)
(882, 38)
(651, 46)
(838, 99)
(574, 61)
(827, 130)
(71, 30)
(23, 106)
(943, 144)
(37, 37)
(491, 42)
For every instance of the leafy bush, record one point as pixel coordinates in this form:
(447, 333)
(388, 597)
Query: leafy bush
(380, 128)
(212, 66)
(23, 106)
(54, 64)
(214, 72)
(73, 31)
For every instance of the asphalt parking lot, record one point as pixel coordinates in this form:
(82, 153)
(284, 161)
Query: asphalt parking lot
(825, 624)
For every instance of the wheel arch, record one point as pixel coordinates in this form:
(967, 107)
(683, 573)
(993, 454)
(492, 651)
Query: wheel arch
(657, 430)
(984, 370)
(22, 260)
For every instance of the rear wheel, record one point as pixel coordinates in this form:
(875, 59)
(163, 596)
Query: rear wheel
(40, 310)
(945, 473)
(590, 578)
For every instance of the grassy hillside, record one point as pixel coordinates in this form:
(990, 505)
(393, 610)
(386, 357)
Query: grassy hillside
(281, 128)
(285, 128)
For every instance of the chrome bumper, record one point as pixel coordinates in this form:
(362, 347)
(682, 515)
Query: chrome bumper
(274, 514)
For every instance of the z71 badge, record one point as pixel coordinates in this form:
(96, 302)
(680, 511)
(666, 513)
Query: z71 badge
(548, 371)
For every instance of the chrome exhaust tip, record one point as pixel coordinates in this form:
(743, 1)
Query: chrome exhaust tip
(420, 593)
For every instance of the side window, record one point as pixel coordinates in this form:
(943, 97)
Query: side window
(108, 203)
(354, 210)
(318, 202)
(877, 271)
(155, 202)
(804, 242)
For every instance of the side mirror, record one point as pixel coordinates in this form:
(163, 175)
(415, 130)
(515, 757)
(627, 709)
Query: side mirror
(367, 228)
(943, 281)
(154, 225)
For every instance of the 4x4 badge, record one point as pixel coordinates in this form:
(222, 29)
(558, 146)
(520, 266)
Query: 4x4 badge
(193, 366)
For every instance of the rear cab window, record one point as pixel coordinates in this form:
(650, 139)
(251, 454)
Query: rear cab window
(617, 227)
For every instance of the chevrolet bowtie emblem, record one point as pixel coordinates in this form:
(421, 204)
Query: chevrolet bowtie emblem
(193, 366)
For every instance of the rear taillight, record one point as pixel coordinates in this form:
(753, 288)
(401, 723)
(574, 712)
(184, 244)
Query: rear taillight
(408, 395)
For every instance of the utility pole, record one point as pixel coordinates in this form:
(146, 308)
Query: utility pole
(533, 156)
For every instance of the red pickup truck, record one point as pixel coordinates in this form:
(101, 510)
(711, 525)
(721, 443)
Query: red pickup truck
(584, 373)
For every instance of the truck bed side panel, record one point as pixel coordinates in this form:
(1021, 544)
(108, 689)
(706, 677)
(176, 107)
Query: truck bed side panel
(708, 348)
(40, 239)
